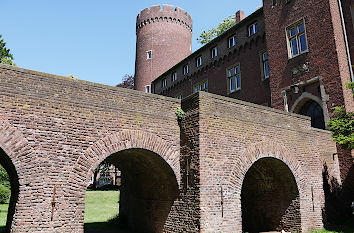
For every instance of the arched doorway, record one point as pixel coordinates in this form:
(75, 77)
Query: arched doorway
(314, 110)
(7, 164)
(148, 189)
(270, 198)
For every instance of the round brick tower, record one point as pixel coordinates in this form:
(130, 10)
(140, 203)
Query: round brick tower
(163, 38)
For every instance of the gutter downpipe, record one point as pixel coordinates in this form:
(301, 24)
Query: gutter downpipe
(346, 41)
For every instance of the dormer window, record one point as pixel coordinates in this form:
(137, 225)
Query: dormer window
(252, 29)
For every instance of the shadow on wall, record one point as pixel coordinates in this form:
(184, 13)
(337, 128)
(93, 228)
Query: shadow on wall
(337, 213)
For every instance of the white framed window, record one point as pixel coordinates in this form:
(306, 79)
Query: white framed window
(148, 89)
(252, 29)
(185, 69)
(198, 61)
(234, 78)
(265, 65)
(164, 83)
(174, 76)
(202, 86)
(232, 41)
(296, 39)
(149, 54)
(179, 96)
(214, 52)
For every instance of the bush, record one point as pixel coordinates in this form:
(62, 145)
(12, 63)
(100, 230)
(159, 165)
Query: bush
(5, 193)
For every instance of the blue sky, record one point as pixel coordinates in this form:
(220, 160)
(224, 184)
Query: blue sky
(93, 39)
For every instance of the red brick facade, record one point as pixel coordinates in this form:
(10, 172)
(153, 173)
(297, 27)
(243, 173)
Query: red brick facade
(167, 33)
(54, 131)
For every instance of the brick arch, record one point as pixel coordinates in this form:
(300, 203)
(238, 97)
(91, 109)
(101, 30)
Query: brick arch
(17, 150)
(303, 99)
(99, 151)
(253, 153)
(127, 139)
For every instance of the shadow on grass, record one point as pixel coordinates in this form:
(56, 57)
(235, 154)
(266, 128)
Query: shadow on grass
(114, 225)
(104, 227)
(2, 229)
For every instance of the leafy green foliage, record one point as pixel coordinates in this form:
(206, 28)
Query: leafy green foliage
(342, 126)
(5, 56)
(4, 177)
(179, 113)
(5, 193)
(207, 36)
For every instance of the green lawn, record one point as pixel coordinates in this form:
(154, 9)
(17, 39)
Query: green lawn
(3, 216)
(101, 206)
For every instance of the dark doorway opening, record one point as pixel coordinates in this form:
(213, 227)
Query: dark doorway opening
(314, 110)
(270, 198)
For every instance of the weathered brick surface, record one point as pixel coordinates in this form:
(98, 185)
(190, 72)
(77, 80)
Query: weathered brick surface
(56, 130)
(167, 32)
(233, 136)
(247, 53)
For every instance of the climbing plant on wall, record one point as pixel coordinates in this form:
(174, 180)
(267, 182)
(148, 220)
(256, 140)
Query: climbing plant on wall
(342, 126)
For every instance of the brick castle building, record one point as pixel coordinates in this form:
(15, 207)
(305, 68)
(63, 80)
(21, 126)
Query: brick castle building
(289, 55)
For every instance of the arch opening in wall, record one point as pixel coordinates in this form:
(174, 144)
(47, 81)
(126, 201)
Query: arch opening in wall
(148, 189)
(11, 172)
(270, 198)
(310, 105)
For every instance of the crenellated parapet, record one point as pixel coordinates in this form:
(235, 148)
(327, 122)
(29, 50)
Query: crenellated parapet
(166, 13)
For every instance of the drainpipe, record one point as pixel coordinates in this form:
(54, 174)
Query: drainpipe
(346, 41)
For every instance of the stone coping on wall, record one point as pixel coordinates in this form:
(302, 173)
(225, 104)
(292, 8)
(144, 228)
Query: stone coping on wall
(306, 119)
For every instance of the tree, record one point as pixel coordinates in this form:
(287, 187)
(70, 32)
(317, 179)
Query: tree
(127, 82)
(5, 56)
(207, 36)
(342, 126)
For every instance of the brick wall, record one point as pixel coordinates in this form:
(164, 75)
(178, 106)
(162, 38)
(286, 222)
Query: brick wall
(182, 176)
(247, 53)
(233, 136)
(57, 130)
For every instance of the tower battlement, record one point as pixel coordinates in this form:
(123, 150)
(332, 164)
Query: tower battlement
(167, 13)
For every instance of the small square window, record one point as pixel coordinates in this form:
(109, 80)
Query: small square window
(147, 89)
(234, 79)
(297, 41)
(164, 83)
(185, 69)
(214, 52)
(252, 29)
(174, 76)
(232, 41)
(149, 54)
(199, 61)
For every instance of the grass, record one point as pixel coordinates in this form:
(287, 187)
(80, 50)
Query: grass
(101, 206)
(3, 216)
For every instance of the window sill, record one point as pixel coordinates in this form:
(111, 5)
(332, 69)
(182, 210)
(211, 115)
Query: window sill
(305, 52)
